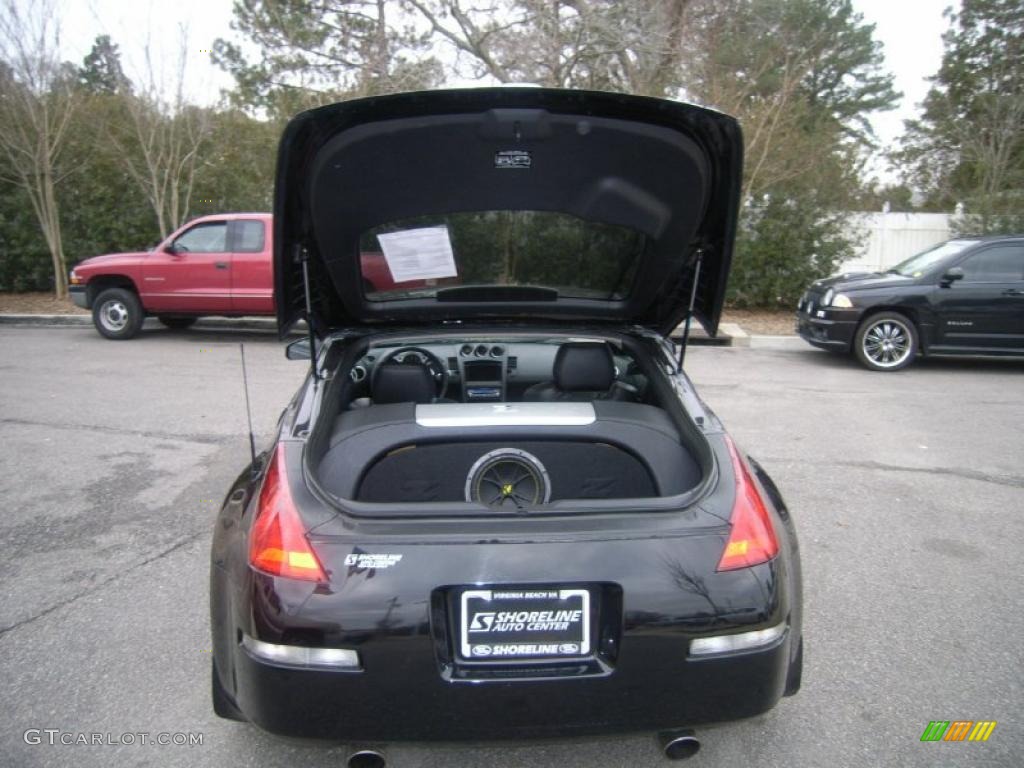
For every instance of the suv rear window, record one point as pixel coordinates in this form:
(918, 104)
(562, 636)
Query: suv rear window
(578, 258)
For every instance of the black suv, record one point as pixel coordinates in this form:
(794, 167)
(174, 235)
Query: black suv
(965, 297)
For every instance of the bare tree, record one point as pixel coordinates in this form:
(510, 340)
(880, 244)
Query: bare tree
(777, 148)
(763, 62)
(37, 100)
(634, 47)
(651, 37)
(161, 151)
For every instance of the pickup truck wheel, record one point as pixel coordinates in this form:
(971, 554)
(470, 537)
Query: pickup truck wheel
(117, 313)
(177, 323)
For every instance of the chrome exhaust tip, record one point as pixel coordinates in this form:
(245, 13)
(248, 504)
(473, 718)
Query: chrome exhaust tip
(679, 745)
(367, 758)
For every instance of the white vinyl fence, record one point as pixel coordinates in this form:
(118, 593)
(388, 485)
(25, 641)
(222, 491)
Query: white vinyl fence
(889, 238)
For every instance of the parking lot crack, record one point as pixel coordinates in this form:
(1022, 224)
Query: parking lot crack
(209, 439)
(967, 474)
(182, 542)
(1013, 481)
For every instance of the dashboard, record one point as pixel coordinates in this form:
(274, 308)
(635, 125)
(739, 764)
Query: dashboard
(478, 370)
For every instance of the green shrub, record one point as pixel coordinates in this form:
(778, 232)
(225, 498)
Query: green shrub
(25, 263)
(782, 244)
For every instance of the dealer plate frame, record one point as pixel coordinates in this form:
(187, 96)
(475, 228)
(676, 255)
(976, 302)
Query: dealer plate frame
(466, 648)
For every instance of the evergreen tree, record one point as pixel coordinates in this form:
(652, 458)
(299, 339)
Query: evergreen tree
(101, 70)
(968, 145)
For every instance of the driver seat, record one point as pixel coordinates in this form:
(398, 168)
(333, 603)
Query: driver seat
(400, 383)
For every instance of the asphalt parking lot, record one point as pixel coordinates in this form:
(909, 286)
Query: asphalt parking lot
(907, 488)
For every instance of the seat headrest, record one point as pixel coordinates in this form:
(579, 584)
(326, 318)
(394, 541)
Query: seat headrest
(398, 383)
(584, 366)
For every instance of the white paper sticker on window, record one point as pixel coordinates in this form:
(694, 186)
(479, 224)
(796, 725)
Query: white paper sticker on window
(418, 254)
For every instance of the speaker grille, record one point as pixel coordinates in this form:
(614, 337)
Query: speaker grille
(508, 477)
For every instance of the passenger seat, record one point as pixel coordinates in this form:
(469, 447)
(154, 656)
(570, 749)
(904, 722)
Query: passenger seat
(583, 371)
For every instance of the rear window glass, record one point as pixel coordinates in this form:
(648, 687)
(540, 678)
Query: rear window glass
(578, 258)
(249, 236)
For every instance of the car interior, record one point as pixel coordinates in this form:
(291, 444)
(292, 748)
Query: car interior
(509, 423)
(497, 372)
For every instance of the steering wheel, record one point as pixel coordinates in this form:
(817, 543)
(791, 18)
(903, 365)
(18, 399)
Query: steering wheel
(414, 356)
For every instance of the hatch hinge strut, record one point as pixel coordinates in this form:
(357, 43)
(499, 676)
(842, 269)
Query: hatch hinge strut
(304, 258)
(689, 310)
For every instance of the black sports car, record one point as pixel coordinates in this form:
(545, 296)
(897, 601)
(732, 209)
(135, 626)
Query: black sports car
(497, 508)
(962, 297)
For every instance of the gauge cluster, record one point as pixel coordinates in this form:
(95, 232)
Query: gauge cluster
(481, 350)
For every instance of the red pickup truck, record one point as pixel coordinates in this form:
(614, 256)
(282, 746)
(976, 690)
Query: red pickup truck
(214, 265)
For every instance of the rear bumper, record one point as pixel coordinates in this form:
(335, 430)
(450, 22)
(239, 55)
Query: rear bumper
(410, 686)
(826, 333)
(79, 295)
(400, 696)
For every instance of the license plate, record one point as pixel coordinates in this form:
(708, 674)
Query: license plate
(535, 623)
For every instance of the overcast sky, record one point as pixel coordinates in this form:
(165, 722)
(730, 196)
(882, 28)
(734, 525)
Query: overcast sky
(909, 31)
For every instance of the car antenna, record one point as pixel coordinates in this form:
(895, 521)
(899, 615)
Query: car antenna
(248, 411)
(689, 311)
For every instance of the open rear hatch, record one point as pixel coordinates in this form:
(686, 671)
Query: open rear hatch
(505, 204)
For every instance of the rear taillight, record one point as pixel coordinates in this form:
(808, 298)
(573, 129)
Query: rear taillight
(752, 538)
(278, 544)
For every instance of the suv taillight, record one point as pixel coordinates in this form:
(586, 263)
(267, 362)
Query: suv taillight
(752, 537)
(277, 543)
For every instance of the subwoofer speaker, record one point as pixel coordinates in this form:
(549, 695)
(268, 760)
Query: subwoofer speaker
(442, 471)
(508, 476)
